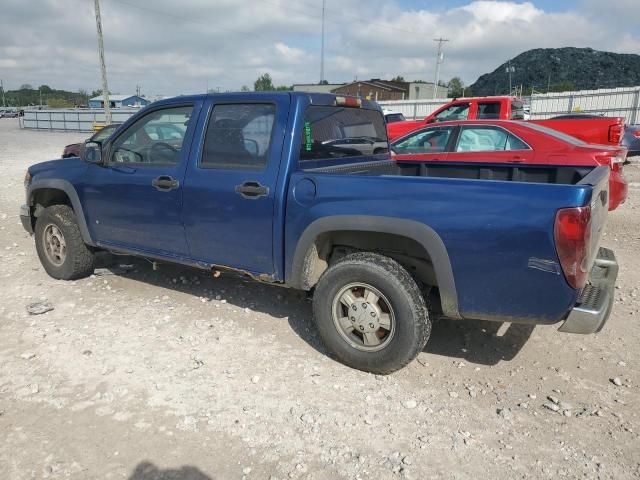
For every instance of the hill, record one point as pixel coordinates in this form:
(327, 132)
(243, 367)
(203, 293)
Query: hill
(558, 69)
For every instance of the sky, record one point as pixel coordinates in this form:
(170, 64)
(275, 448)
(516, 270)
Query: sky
(173, 47)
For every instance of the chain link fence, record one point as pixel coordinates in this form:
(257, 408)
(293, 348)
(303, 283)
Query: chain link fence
(616, 102)
(76, 120)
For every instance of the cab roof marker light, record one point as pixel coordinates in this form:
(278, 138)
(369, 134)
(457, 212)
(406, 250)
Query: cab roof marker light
(348, 102)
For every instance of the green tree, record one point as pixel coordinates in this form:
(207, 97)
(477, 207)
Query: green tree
(398, 78)
(59, 103)
(263, 84)
(245, 89)
(324, 82)
(45, 89)
(26, 86)
(564, 86)
(456, 88)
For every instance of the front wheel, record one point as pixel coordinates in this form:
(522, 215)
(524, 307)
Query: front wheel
(59, 243)
(370, 313)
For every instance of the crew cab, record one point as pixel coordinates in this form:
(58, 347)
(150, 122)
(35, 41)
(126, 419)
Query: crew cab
(599, 130)
(256, 185)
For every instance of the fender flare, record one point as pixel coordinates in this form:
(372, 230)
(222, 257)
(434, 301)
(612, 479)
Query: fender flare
(419, 232)
(70, 191)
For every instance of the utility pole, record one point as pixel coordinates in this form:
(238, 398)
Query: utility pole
(322, 44)
(510, 71)
(439, 60)
(105, 87)
(4, 104)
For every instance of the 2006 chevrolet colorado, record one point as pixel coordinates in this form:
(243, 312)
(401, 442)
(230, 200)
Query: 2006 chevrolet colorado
(284, 187)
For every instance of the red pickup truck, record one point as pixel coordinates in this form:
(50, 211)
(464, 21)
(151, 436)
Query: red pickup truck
(601, 130)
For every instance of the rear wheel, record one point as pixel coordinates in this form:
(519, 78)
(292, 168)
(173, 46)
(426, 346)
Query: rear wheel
(59, 244)
(370, 313)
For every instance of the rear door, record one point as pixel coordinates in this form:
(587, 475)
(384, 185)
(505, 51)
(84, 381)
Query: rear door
(489, 143)
(229, 188)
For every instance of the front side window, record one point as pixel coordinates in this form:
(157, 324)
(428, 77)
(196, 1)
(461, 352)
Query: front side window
(486, 139)
(238, 136)
(431, 140)
(144, 144)
(339, 132)
(459, 111)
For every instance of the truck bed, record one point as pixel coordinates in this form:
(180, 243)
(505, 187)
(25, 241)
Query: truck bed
(496, 223)
(548, 174)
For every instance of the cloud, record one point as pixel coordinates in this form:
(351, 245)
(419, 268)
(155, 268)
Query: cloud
(173, 48)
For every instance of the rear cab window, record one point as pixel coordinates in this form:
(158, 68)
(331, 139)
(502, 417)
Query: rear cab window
(335, 134)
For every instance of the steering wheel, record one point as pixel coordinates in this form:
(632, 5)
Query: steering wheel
(163, 150)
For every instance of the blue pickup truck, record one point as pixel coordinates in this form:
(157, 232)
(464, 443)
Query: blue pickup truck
(297, 190)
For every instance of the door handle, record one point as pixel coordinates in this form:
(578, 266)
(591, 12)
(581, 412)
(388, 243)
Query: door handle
(165, 183)
(252, 190)
(517, 159)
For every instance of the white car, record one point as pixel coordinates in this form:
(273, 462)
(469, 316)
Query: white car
(392, 116)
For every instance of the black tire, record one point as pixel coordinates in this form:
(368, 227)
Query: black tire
(407, 304)
(78, 261)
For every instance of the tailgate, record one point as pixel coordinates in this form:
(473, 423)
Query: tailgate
(599, 180)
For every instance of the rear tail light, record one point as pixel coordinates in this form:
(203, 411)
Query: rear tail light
(636, 133)
(572, 234)
(615, 133)
(614, 158)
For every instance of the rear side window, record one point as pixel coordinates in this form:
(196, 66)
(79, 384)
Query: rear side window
(238, 136)
(484, 139)
(488, 110)
(339, 132)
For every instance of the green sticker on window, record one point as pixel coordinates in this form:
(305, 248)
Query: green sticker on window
(308, 143)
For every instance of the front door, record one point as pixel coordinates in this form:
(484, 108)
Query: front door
(230, 192)
(134, 199)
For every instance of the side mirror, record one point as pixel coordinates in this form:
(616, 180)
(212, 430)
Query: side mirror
(93, 152)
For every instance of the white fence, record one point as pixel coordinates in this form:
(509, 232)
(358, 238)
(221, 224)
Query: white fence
(77, 119)
(616, 102)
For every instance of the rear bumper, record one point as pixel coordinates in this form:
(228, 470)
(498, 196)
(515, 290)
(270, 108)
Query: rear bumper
(25, 218)
(594, 305)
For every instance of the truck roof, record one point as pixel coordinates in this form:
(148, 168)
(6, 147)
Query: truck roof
(314, 98)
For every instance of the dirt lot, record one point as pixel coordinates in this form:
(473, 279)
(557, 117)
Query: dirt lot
(172, 374)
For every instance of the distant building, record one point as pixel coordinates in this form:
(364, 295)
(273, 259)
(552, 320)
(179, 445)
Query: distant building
(381, 90)
(118, 101)
(316, 87)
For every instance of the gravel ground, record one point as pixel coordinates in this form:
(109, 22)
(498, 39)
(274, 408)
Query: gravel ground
(173, 374)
